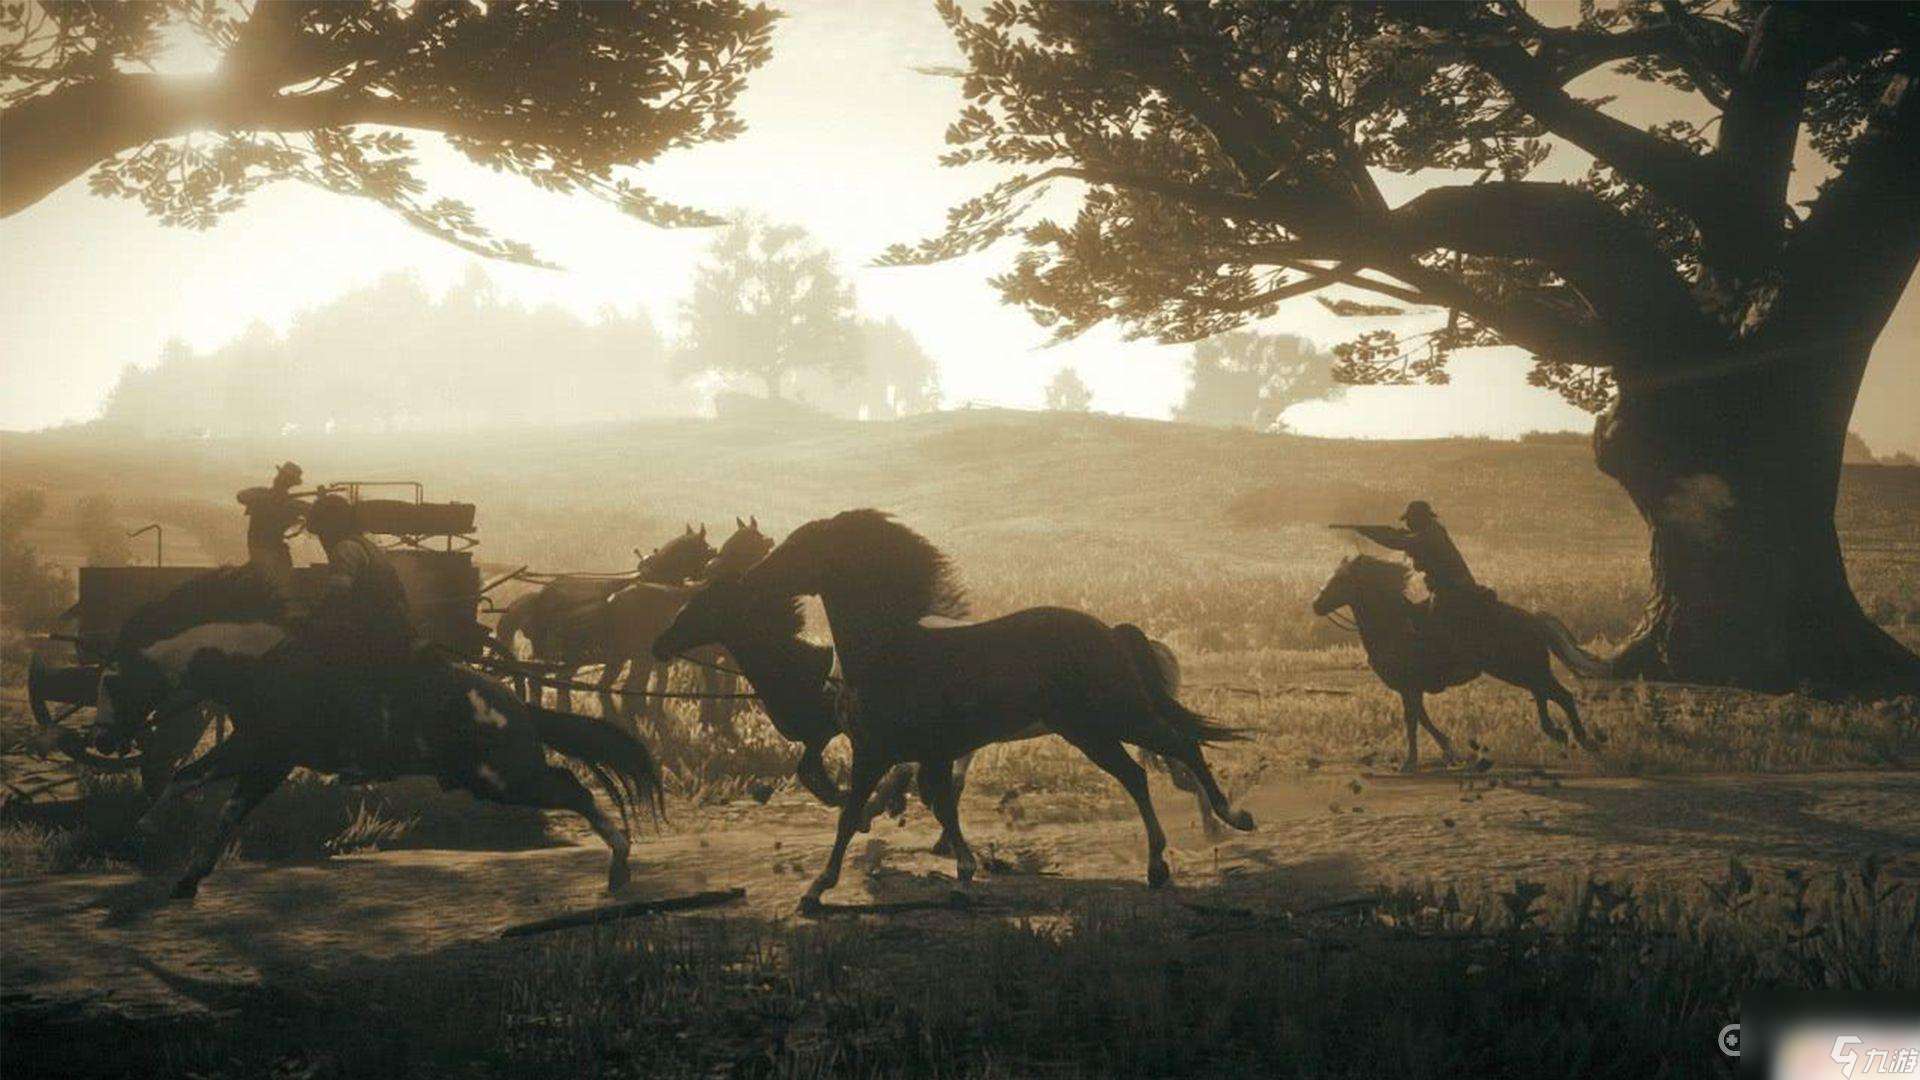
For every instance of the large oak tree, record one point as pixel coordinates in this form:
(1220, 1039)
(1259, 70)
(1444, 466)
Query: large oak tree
(1228, 156)
(563, 94)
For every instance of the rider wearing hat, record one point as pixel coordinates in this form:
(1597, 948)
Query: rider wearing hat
(273, 513)
(363, 600)
(1457, 597)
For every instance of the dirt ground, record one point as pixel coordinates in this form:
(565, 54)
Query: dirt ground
(112, 941)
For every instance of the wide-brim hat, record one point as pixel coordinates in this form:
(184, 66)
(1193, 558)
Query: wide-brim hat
(1418, 510)
(290, 470)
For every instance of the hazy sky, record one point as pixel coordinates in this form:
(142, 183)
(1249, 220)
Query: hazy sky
(842, 138)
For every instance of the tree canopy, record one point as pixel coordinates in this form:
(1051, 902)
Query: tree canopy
(766, 303)
(1229, 156)
(1247, 379)
(1068, 392)
(565, 95)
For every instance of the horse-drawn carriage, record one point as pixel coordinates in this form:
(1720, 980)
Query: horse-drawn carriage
(430, 545)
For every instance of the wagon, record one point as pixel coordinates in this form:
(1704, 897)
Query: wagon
(430, 545)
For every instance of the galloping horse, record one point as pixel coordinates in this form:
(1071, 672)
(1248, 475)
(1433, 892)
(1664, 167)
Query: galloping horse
(1513, 646)
(566, 620)
(761, 632)
(918, 694)
(211, 639)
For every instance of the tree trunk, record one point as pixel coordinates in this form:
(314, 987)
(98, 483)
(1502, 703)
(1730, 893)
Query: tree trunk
(1736, 473)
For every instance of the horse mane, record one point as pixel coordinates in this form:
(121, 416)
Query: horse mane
(1380, 575)
(229, 593)
(899, 567)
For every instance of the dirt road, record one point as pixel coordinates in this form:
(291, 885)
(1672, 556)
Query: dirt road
(112, 941)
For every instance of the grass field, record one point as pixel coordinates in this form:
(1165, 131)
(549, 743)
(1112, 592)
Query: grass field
(1214, 541)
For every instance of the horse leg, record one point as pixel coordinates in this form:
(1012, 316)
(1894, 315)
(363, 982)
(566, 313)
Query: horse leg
(1565, 699)
(867, 770)
(944, 845)
(1108, 753)
(938, 792)
(551, 787)
(1440, 739)
(1185, 751)
(812, 774)
(253, 788)
(638, 705)
(228, 759)
(603, 690)
(1547, 726)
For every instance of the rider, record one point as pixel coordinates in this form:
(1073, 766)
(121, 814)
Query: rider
(272, 514)
(1457, 599)
(363, 599)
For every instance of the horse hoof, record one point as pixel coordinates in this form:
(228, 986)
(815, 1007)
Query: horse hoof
(1242, 820)
(810, 905)
(943, 846)
(1555, 734)
(184, 890)
(618, 878)
(1158, 874)
(965, 872)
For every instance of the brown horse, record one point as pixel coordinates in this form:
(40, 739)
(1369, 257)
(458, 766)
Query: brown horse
(928, 695)
(1511, 645)
(576, 621)
(761, 633)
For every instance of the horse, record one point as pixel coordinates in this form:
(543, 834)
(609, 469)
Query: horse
(1514, 646)
(798, 690)
(565, 619)
(212, 640)
(927, 695)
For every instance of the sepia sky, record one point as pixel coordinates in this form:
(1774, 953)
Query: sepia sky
(842, 138)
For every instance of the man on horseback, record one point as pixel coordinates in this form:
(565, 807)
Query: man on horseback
(363, 604)
(1457, 605)
(272, 514)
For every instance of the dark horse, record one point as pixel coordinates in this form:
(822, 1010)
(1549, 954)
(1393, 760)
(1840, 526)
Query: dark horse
(575, 620)
(211, 639)
(927, 695)
(761, 632)
(1511, 645)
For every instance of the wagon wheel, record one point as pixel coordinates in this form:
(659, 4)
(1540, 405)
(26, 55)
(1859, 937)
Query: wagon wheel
(57, 695)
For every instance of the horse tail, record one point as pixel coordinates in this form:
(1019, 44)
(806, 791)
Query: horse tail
(1560, 640)
(623, 764)
(1159, 672)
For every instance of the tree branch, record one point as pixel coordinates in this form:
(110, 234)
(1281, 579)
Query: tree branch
(1621, 273)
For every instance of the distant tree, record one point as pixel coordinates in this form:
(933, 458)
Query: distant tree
(897, 378)
(98, 528)
(767, 303)
(562, 94)
(1247, 379)
(32, 594)
(1228, 156)
(1067, 392)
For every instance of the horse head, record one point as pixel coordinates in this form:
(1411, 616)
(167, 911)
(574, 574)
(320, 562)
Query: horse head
(680, 558)
(746, 547)
(725, 610)
(1358, 580)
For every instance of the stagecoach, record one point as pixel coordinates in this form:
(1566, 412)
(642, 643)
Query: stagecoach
(431, 546)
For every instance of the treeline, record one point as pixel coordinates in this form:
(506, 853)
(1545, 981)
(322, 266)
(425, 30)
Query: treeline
(392, 357)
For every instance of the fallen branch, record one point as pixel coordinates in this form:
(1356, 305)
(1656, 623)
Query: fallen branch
(953, 901)
(613, 912)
